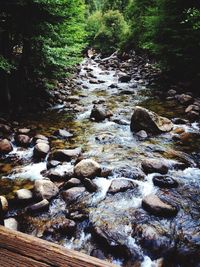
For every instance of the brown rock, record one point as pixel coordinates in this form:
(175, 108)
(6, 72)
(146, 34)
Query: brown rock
(22, 140)
(154, 165)
(41, 150)
(5, 146)
(72, 194)
(120, 185)
(154, 205)
(45, 189)
(87, 168)
(143, 119)
(65, 154)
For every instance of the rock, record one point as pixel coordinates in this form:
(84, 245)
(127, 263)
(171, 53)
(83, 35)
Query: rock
(142, 134)
(4, 203)
(73, 182)
(41, 141)
(184, 99)
(63, 133)
(171, 92)
(45, 189)
(87, 168)
(154, 165)
(125, 78)
(41, 150)
(65, 154)
(105, 237)
(193, 115)
(24, 195)
(5, 146)
(93, 81)
(11, 223)
(72, 194)
(143, 119)
(40, 206)
(127, 171)
(52, 164)
(99, 114)
(22, 140)
(90, 185)
(113, 85)
(97, 253)
(164, 181)
(61, 225)
(120, 185)
(24, 131)
(40, 136)
(61, 172)
(192, 108)
(5, 129)
(154, 205)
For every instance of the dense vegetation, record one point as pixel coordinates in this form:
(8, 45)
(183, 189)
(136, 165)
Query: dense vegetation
(41, 39)
(167, 30)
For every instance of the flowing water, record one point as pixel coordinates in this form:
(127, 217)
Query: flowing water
(111, 143)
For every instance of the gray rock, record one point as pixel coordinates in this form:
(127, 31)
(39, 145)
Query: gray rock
(73, 182)
(125, 78)
(90, 185)
(65, 154)
(62, 133)
(45, 189)
(24, 194)
(40, 206)
(99, 113)
(72, 194)
(120, 185)
(164, 181)
(11, 223)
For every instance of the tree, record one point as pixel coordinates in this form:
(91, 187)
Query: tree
(38, 39)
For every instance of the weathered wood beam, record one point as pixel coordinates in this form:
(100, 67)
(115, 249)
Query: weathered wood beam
(18, 249)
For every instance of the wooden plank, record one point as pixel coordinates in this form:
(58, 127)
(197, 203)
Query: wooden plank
(29, 250)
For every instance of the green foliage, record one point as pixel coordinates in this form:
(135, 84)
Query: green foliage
(108, 31)
(41, 38)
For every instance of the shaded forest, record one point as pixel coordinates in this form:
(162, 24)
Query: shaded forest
(42, 40)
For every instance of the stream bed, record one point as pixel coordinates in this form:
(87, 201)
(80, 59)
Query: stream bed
(107, 218)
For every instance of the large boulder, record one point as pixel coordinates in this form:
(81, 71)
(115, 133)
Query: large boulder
(144, 119)
(5, 146)
(154, 165)
(154, 205)
(87, 168)
(45, 189)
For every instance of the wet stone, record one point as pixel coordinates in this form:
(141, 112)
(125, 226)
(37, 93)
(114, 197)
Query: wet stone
(62, 133)
(45, 189)
(52, 164)
(72, 194)
(22, 140)
(120, 185)
(144, 119)
(65, 154)
(5, 146)
(90, 185)
(87, 168)
(154, 165)
(41, 150)
(165, 181)
(24, 195)
(154, 205)
(73, 182)
(40, 206)
(4, 203)
(11, 223)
